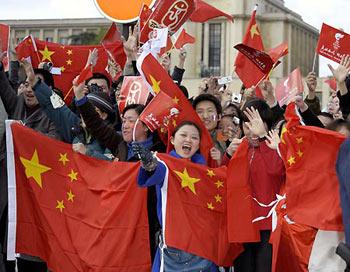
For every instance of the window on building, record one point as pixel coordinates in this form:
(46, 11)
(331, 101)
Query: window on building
(214, 62)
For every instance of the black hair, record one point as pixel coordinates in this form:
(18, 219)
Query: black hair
(208, 97)
(99, 76)
(184, 90)
(48, 77)
(237, 110)
(338, 124)
(264, 110)
(187, 123)
(137, 107)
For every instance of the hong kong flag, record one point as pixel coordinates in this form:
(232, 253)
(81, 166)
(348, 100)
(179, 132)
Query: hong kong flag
(333, 43)
(289, 87)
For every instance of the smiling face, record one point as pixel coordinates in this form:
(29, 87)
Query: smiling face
(29, 96)
(186, 141)
(128, 124)
(208, 114)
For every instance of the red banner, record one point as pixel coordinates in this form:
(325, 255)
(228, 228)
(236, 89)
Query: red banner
(4, 43)
(134, 91)
(168, 13)
(289, 87)
(333, 43)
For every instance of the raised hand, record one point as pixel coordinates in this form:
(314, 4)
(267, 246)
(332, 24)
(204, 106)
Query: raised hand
(268, 92)
(28, 68)
(93, 57)
(342, 70)
(148, 161)
(302, 106)
(130, 45)
(272, 139)
(79, 90)
(215, 154)
(255, 124)
(311, 81)
(233, 146)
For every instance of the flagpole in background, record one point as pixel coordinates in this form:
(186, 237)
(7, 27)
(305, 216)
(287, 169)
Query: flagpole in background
(314, 62)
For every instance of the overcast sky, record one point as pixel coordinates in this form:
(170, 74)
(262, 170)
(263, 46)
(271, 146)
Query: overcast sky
(314, 12)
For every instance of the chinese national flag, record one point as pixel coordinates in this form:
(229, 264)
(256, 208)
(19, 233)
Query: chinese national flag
(156, 117)
(195, 218)
(68, 59)
(75, 212)
(4, 43)
(205, 12)
(289, 87)
(145, 13)
(184, 38)
(312, 186)
(332, 83)
(333, 43)
(292, 243)
(160, 80)
(167, 13)
(247, 71)
(85, 74)
(133, 91)
(239, 199)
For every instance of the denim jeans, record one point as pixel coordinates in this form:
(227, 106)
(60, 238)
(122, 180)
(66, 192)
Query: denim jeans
(176, 260)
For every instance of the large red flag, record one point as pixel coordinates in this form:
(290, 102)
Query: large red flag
(160, 80)
(239, 199)
(75, 212)
(289, 87)
(333, 43)
(133, 91)
(4, 43)
(68, 59)
(167, 13)
(195, 217)
(312, 186)
(204, 12)
(184, 38)
(247, 71)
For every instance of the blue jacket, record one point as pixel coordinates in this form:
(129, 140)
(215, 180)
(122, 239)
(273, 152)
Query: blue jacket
(64, 119)
(343, 171)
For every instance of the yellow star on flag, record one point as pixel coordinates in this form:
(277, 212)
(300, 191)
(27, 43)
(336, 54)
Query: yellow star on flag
(218, 198)
(210, 206)
(73, 175)
(69, 62)
(300, 154)
(176, 100)
(60, 205)
(155, 84)
(254, 31)
(69, 52)
(186, 180)
(291, 160)
(63, 158)
(299, 140)
(70, 196)
(63, 69)
(284, 130)
(210, 173)
(46, 54)
(219, 184)
(34, 169)
(162, 130)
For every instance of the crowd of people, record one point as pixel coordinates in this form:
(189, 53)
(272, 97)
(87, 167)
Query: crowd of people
(93, 125)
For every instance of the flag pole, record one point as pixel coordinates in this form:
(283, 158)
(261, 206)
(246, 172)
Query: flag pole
(314, 62)
(66, 96)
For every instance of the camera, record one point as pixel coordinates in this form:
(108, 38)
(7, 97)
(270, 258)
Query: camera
(94, 88)
(236, 98)
(47, 66)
